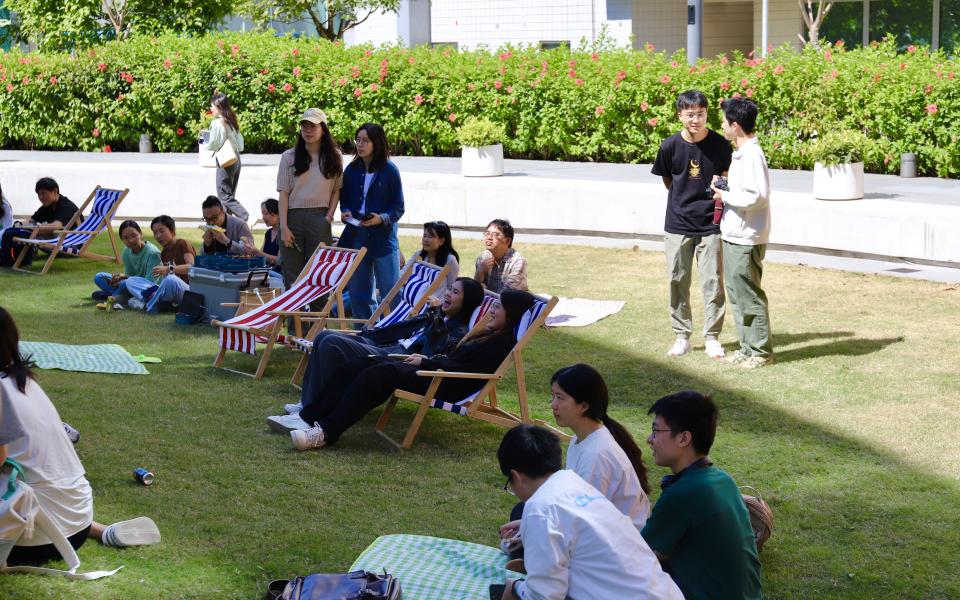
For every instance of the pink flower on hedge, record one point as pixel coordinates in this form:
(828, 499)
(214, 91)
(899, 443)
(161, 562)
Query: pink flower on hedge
(296, 71)
(166, 63)
(354, 72)
(598, 111)
(342, 81)
(778, 70)
(877, 78)
(506, 55)
(107, 148)
(367, 53)
(179, 131)
(744, 83)
(53, 80)
(287, 87)
(834, 73)
(652, 122)
(724, 85)
(498, 84)
(903, 66)
(911, 48)
(594, 56)
(452, 118)
(271, 88)
(887, 159)
(578, 81)
(446, 54)
(674, 64)
(649, 47)
(220, 44)
(374, 87)
(572, 74)
(509, 89)
(9, 87)
(931, 109)
(411, 60)
(749, 92)
(572, 63)
(26, 80)
(295, 52)
(234, 49)
(126, 77)
(96, 132)
(264, 71)
(828, 55)
(724, 60)
(471, 86)
(664, 79)
(418, 99)
(102, 67)
(357, 92)
(621, 75)
(692, 69)
(839, 44)
(644, 106)
(928, 89)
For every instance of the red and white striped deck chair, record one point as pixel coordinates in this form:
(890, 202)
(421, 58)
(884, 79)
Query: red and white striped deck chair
(327, 272)
(75, 241)
(418, 281)
(482, 404)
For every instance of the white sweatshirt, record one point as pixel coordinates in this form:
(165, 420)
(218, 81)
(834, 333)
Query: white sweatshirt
(746, 207)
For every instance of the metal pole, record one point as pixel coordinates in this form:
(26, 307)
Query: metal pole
(694, 30)
(765, 27)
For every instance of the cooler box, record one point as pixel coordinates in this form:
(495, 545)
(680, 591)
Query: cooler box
(219, 286)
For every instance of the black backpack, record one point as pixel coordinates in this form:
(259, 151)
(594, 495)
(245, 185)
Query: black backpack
(356, 585)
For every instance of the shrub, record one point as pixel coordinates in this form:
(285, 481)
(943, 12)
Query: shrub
(839, 146)
(477, 132)
(608, 105)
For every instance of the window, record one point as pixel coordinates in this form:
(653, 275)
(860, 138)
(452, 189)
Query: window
(553, 45)
(950, 26)
(441, 45)
(911, 21)
(844, 22)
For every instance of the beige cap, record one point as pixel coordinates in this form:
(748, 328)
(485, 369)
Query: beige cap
(314, 115)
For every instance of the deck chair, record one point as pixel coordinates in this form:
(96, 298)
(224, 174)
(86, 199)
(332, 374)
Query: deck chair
(483, 404)
(327, 272)
(76, 241)
(418, 281)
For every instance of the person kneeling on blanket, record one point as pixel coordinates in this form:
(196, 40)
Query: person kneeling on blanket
(577, 543)
(32, 434)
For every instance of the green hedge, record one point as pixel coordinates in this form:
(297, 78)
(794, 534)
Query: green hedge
(612, 105)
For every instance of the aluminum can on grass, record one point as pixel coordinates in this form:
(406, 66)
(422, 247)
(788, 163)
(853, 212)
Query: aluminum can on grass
(143, 476)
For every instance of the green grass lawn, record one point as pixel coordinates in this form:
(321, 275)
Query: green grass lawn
(849, 436)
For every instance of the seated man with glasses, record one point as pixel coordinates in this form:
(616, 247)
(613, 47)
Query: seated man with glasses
(223, 232)
(577, 544)
(499, 266)
(699, 528)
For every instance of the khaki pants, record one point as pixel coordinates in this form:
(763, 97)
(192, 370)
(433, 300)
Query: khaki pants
(309, 227)
(742, 272)
(680, 250)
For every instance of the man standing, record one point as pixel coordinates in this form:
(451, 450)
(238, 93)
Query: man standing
(745, 230)
(687, 162)
(699, 528)
(499, 266)
(224, 233)
(577, 544)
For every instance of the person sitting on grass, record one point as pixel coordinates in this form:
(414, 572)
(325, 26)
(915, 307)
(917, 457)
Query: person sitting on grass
(438, 331)
(578, 544)
(699, 527)
(437, 249)
(602, 451)
(139, 259)
(344, 402)
(223, 232)
(499, 266)
(270, 212)
(34, 436)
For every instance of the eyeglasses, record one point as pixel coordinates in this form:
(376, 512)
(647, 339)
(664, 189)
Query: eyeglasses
(493, 234)
(360, 142)
(506, 488)
(656, 431)
(213, 219)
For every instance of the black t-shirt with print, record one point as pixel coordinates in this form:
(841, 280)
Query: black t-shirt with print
(62, 211)
(692, 167)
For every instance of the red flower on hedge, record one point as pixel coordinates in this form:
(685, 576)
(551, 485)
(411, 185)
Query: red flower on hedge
(271, 88)
(506, 55)
(724, 60)
(374, 87)
(287, 87)
(928, 89)
(572, 63)
(665, 79)
(234, 49)
(674, 64)
(911, 48)
(652, 122)
(106, 148)
(724, 85)
(644, 106)
(931, 109)
(9, 87)
(744, 82)
(264, 71)
(778, 70)
(411, 60)
(827, 55)
(594, 56)
(367, 53)
(621, 75)
(418, 99)
(498, 84)
(53, 80)
(749, 92)
(295, 52)
(342, 81)
(126, 77)
(578, 81)
(598, 111)
(102, 67)
(357, 93)
(179, 131)
(96, 132)
(903, 66)
(649, 47)
(452, 118)
(26, 80)
(166, 63)
(572, 74)
(296, 71)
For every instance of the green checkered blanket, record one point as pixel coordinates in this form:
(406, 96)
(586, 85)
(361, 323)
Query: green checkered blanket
(97, 358)
(432, 568)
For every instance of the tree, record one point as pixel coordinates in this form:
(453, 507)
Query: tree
(331, 18)
(814, 19)
(57, 25)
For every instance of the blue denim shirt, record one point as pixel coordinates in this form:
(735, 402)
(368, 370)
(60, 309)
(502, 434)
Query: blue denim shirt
(385, 197)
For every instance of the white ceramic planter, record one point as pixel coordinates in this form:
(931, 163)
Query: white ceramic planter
(838, 182)
(485, 161)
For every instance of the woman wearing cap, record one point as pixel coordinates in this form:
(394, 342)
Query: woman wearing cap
(372, 206)
(225, 126)
(309, 181)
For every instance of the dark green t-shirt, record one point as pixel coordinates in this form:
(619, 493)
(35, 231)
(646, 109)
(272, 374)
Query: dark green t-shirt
(701, 526)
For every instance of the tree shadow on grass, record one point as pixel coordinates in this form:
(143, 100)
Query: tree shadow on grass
(847, 347)
(785, 339)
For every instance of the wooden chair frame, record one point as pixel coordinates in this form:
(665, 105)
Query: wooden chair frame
(272, 334)
(54, 249)
(484, 405)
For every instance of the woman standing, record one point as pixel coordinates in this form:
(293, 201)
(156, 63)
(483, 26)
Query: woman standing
(225, 126)
(437, 249)
(372, 206)
(309, 181)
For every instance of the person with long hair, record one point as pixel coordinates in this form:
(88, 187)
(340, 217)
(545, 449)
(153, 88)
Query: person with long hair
(270, 251)
(225, 126)
(139, 259)
(346, 402)
(437, 249)
(6, 212)
(372, 200)
(437, 331)
(309, 181)
(50, 463)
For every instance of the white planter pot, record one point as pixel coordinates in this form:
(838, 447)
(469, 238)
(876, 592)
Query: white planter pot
(838, 182)
(485, 161)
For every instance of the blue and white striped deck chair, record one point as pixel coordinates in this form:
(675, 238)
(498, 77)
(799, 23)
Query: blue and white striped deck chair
(418, 281)
(76, 241)
(483, 404)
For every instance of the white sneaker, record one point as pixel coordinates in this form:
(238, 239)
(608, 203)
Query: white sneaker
(141, 531)
(293, 409)
(713, 348)
(680, 347)
(308, 439)
(135, 304)
(285, 423)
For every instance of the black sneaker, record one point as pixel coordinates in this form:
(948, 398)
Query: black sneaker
(99, 295)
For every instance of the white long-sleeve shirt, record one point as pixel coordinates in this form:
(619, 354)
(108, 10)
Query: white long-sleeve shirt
(746, 207)
(219, 133)
(577, 544)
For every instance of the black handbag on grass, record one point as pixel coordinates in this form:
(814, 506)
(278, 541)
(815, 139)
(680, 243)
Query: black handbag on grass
(356, 585)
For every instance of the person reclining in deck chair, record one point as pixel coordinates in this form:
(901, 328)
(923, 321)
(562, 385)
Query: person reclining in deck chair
(346, 400)
(32, 434)
(578, 544)
(438, 331)
(54, 213)
(223, 232)
(499, 266)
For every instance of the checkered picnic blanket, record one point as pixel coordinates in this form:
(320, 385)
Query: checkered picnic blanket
(96, 358)
(432, 568)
